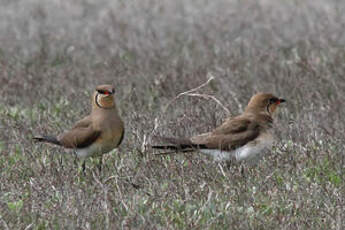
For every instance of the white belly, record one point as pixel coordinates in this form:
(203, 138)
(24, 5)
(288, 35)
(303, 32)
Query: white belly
(92, 150)
(245, 152)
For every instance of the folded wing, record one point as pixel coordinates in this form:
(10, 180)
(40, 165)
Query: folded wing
(230, 135)
(81, 135)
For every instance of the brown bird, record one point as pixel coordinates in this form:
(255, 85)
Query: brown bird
(97, 133)
(238, 138)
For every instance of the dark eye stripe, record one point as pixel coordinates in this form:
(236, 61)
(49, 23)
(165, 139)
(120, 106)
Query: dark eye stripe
(101, 91)
(274, 100)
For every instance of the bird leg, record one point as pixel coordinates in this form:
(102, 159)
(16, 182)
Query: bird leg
(100, 163)
(242, 169)
(60, 161)
(83, 166)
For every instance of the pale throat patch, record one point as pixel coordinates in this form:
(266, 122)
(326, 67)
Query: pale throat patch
(100, 102)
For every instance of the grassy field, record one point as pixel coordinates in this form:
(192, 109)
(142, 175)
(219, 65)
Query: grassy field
(53, 54)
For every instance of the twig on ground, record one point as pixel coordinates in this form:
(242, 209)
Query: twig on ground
(206, 96)
(188, 92)
(192, 94)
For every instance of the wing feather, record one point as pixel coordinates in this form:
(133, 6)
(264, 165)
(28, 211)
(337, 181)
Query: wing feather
(81, 135)
(230, 135)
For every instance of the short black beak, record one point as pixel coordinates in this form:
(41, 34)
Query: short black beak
(281, 100)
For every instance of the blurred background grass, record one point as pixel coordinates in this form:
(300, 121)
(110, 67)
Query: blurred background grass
(53, 54)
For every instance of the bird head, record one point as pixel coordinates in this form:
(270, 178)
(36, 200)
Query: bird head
(103, 97)
(264, 103)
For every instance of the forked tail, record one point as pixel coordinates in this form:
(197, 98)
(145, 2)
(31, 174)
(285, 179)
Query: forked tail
(177, 145)
(48, 139)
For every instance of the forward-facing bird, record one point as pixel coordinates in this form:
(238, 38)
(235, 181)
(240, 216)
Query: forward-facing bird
(97, 133)
(238, 138)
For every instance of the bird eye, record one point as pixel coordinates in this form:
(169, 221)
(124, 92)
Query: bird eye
(273, 100)
(101, 91)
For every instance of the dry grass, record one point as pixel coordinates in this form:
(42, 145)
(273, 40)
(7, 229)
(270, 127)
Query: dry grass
(52, 55)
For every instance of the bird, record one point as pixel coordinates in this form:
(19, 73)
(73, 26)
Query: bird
(96, 134)
(239, 138)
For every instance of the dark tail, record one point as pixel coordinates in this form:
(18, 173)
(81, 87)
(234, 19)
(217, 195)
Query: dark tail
(48, 139)
(174, 149)
(176, 144)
